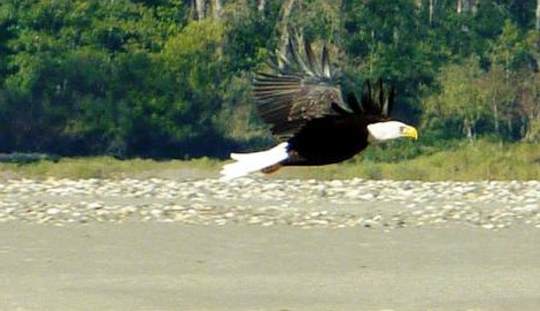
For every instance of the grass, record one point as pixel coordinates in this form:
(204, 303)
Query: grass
(104, 167)
(466, 161)
(481, 160)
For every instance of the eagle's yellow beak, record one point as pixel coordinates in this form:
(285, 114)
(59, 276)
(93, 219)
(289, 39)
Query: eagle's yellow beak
(410, 132)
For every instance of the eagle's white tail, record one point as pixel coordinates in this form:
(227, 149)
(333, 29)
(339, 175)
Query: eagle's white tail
(251, 162)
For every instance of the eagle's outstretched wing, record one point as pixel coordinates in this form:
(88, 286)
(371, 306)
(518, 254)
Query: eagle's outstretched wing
(302, 89)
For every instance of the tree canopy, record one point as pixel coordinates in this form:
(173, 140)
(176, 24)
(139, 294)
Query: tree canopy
(171, 78)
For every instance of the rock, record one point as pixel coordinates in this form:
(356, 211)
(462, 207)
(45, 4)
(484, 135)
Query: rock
(95, 205)
(271, 201)
(53, 211)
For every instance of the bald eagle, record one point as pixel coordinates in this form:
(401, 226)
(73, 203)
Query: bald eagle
(303, 102)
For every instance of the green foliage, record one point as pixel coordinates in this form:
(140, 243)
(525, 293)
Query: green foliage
(319, 19)
(460, 97)
(107, 74)
(528, 100)
(382, 46)
(510, 49)
(249, 34)
(142, 78)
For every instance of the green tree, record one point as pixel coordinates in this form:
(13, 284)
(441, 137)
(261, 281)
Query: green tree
(511, 50)
(499, 95)
(460, 100)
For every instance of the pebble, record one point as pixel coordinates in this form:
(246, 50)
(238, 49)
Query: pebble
(53, 211)
(491, 205)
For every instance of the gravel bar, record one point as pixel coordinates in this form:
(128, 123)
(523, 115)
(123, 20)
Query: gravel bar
(492, 205)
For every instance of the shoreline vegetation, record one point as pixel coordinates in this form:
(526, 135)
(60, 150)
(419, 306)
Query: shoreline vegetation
(480, 160)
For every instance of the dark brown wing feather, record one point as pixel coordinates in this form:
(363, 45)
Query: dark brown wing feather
(302, 90)
(287, 102)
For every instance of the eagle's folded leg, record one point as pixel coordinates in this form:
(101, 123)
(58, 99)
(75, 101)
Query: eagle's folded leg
(271, 169)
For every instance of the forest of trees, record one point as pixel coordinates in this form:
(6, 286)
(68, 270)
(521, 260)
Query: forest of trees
(171, 78)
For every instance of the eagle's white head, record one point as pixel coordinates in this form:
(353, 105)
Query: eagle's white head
(381, 131)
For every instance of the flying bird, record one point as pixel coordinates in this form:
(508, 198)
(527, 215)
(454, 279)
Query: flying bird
(303, 102)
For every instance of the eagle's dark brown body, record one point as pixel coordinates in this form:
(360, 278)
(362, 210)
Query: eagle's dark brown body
(328, 140)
